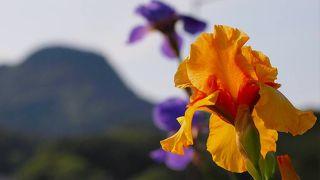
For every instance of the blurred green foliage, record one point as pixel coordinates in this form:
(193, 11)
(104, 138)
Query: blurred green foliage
(124, 154)
(54, 165)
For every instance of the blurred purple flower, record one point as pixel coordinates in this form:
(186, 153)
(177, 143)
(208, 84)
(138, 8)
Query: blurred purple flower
(163, 18)
(173, 161)
(165, 114)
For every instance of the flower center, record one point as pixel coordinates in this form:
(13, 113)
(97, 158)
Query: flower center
(166, 25)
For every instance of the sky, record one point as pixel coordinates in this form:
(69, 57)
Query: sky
(288, 31)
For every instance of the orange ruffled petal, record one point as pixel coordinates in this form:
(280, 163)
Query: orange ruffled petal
(257, 65)
(181, 79)
(286, 168)
(183, 138)
(212, 58)
(222, 145)
(279, 114)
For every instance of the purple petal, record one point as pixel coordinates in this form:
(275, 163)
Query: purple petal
(155, 11)
(138, 33)
(167, 49)
(177, 162)
(196, 119)
(158, 155)
(192, 25)
(165, 113)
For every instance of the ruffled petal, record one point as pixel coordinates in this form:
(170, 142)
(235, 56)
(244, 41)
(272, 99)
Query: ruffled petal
(192, 25)
(258, 65)
(138, 33)
(286, 168)
(212, 61)
(181, 79)
(278, 113)
(222, 145)
(268, 137)
(183, 138)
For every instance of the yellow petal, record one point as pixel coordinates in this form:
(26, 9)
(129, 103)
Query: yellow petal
(286, 168)
(264, 70)
(278, 113)
(183, 138)
(268, 137)
(245, 62)
(212, 59)
(257, 65)
(181, 79)
(222, 145)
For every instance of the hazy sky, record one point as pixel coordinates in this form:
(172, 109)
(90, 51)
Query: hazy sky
(288, 31)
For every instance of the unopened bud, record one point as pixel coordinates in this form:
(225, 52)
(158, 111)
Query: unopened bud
(248, 139)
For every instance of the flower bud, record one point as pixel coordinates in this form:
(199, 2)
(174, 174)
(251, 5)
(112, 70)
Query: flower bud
(247, 135)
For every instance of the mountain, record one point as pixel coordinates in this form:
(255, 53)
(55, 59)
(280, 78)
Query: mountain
(64, 91)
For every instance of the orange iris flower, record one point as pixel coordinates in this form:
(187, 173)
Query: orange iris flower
(223, 74)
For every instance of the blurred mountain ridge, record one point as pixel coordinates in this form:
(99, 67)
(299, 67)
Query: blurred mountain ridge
(59, 91)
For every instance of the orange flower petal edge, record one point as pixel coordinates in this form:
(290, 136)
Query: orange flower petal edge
(286, 168)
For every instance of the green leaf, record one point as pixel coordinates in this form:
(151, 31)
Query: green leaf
(253, 171)
(268, 165)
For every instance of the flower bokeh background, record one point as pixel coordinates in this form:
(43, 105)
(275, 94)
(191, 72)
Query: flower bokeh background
(36, 34)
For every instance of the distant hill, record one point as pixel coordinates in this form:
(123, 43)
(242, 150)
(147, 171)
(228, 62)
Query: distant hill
(64, 91)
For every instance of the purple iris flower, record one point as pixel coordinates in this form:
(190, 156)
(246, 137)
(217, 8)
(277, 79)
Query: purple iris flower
(165, 114)
(173, 161)
(163, 18)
